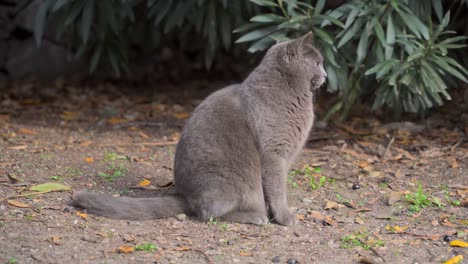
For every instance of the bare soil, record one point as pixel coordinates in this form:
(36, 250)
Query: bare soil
(352, 187)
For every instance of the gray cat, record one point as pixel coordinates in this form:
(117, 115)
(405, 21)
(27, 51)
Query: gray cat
(235, 151)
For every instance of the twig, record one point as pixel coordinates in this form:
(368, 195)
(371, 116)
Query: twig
(161, 143)
(388, 147)
(26, 194)
(373, 250)
(208, 258)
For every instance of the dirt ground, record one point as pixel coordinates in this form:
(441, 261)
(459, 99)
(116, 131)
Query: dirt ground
(365, 191)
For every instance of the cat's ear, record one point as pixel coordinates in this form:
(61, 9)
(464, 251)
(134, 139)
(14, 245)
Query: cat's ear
(306, 42)
(307, 39)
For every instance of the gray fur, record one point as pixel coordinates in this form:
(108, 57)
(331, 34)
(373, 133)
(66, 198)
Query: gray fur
(235, 151)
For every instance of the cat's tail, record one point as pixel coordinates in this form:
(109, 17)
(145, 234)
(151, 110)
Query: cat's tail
(127, 207)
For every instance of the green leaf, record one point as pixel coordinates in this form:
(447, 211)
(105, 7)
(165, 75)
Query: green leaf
(95, 59)
(87, 19)
(351, 32)
(437, 5)
(267, 18)
(40, 21)
(246, 27)
(362, 46)
(323, 35)
(261, 44)
(331, 19)
(259, 33)
(59, 4)
(414, 24)
(225, 30)
(49, 187)
(331, 78)
(390, 38)
(319, 7)
(379, 32)
(264, 3)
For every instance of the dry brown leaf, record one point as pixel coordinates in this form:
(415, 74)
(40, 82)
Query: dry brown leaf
(115, 120)
(245, 254)
(183, 248)
(332, 205)
(394, 197)
(86, 143)
(56, 239)
(363, 164)
(20, 147)
(125, 249)
(69, 116)
(143, 135)
(26, 131)
(453, 162)
(144, 183)
(358, 220)
(167, 184)
(300, 216)
(399, 175)
(89, 159)
(18, 204)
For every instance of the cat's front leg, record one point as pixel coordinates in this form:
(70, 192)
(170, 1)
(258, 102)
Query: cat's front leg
(274, 174)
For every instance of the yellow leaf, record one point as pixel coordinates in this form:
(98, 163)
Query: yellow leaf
(245, 254)
(455, 260)
(89, 159)
(49, 187)
(115, 120)
(181, 115)
(300, 216)
(68, 115)
(125, 249)
(144, 183)
(18, 204)
(458, 243)
(82, 215)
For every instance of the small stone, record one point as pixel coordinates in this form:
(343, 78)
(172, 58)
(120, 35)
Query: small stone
(181, 217)
(276, 259)
(447, 238)
(292, 261)
(229, 243)
(236, 260)
(356, 186)
(66, 209)
(307, 201)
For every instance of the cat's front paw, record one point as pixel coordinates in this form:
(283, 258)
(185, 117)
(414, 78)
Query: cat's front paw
(286, 218)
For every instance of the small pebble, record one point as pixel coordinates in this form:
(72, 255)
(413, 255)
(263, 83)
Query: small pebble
(292, 261)
(276, 259)
(66, 209)
(447, 238)
(307, 201)
(229, 243)
(356, 186)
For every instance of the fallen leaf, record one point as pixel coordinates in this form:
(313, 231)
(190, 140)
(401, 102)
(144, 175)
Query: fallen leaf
(49, 187)
(69, 116)
(332, 205)
(82, 215)
(358, 220)
(181, 115)
(167, 184)
(89, 159)
(26, 131)
(125, 249)
(18, 204)
(396, 229)
(20, 147)
(143, 135)
(102, 234)
(455, 260)
(394, 197)
(363, 164)
(458, 243)
(86, 143)
(55, 239)
(399, 175)
(13, 178)
(183, 248)
(453, 162)
(300, 216)
(144, 183)
(245, 254)
(115, 120)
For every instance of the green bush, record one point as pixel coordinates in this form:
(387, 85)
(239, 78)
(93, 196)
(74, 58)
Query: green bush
(377, 47)
(403, 54)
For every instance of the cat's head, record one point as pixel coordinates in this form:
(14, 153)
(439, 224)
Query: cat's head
(299, 59)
